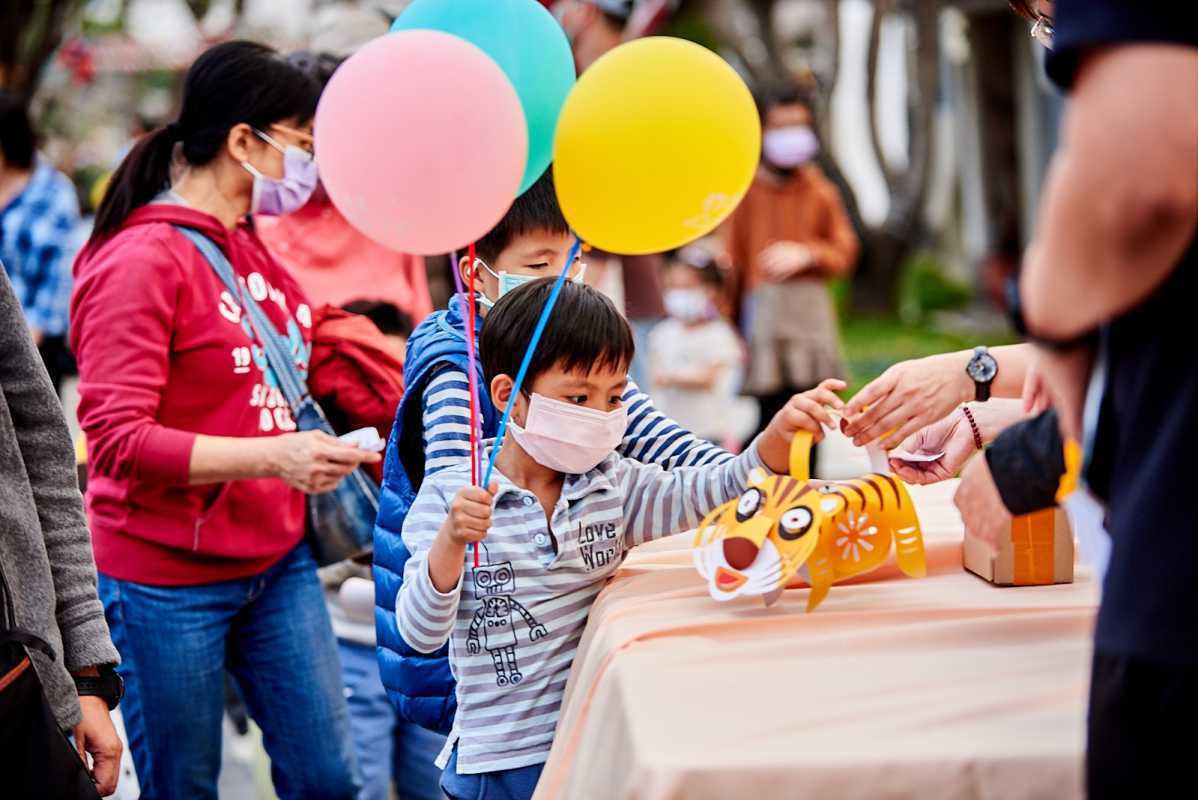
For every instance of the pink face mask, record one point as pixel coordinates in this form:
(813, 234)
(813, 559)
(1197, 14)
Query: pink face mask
(567, 438)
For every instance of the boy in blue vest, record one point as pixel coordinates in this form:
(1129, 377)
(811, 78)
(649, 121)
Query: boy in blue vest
(432, 431)
(555, 523)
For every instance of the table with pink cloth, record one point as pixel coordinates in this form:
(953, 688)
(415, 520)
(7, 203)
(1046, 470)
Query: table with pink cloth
(943, 686)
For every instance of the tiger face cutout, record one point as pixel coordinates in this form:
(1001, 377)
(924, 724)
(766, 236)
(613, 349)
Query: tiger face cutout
(755, 544)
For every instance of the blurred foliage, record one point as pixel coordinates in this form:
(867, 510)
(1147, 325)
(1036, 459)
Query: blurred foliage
(871, 344)
(924, 287)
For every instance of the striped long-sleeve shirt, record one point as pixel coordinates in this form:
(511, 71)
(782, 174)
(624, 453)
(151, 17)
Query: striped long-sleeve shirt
(514, 623)
(651, 438)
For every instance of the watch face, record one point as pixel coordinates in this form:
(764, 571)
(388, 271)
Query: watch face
(983, 368)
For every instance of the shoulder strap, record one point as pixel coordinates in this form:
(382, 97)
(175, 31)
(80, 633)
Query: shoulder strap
(291, 381)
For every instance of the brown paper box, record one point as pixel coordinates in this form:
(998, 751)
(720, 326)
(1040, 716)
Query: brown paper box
(1038, 551)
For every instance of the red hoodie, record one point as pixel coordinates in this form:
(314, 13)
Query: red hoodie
(164, 355)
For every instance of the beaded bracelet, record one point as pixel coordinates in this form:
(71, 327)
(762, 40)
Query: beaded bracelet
(977, 434)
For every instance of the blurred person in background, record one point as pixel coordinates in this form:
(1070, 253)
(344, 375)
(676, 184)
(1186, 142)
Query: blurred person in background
(197, 475)
(39, 214)
(787, 239)
(696, 355)
(332, 261)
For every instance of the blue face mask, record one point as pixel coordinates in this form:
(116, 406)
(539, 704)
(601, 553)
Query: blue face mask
(509, 281)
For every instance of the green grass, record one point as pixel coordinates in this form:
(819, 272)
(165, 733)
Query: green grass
(871, 344)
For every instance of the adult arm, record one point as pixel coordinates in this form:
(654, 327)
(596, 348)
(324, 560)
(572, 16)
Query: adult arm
(123, 323)
(49, 459)
(1120, 202)
(914, 394)
(1026, 462)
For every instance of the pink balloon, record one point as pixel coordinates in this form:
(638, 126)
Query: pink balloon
(421, 141)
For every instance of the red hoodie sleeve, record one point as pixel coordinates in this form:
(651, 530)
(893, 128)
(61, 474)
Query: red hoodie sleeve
(122, 318)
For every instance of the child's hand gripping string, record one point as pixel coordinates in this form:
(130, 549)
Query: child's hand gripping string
(806, 411)
(467, 524)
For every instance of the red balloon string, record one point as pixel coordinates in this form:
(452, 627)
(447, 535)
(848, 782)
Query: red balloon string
(472, 364)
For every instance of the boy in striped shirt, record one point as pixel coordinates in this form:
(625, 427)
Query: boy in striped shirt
(555, 523)
(432, 430)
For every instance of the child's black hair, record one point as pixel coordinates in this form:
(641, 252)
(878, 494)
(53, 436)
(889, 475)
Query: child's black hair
(699, 260)
(535, 211)
(584, 331)
(385, 316)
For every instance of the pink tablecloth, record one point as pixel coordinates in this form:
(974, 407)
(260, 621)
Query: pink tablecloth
(895, 687)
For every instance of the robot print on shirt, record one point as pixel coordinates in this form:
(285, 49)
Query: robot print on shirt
(495, 587)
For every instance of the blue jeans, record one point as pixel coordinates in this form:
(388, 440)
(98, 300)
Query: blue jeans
(386, 747)
(506, 784)
(272, 631)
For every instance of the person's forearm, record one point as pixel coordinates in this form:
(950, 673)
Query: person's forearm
(1026, 462)
(1121, 201)
(1013, 363)
(995, 416)
(215, 459)
(445, 561)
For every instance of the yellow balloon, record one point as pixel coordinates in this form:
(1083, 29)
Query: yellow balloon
(656, 145)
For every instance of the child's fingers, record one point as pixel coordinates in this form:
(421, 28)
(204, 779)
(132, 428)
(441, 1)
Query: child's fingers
(471, 510)
(825, 397)
(803, 412)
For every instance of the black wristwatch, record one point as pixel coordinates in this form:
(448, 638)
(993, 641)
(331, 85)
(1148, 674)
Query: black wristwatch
(107, 685)
(1015, 312)
(982, 369)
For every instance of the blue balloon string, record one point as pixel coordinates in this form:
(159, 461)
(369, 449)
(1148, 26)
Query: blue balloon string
(532, 347)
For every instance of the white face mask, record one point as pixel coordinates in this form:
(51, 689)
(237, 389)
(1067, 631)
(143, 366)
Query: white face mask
(568, 438)
(688, 305)
(509, 281)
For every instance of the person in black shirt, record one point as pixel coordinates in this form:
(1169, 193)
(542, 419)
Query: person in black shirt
(1106, 292)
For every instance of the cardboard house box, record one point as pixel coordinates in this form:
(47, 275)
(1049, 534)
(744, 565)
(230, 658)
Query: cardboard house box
(1038, 551)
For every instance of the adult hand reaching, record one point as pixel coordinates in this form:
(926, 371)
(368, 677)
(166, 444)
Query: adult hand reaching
(951, 436)
(908, 396)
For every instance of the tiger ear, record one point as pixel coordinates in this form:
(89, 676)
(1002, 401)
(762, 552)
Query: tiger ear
(758, 476)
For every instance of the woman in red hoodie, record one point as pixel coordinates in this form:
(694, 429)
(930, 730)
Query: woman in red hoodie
(197, 475)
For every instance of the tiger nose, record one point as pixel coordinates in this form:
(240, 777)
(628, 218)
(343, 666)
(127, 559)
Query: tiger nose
(739, 552)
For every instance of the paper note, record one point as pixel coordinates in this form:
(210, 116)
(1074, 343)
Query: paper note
(365, 439)
(916, 458)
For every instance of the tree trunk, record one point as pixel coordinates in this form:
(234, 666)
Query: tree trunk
(876, 285)
(30, 32)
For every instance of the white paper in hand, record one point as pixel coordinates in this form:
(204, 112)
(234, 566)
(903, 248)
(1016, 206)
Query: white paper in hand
(915, 458)
(365, 439)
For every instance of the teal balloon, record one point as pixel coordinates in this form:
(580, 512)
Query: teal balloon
(528, 45)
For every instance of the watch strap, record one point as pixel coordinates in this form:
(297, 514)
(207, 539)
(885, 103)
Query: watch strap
(108, 685)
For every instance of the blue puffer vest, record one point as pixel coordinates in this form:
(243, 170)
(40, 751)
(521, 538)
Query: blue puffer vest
(420, 686)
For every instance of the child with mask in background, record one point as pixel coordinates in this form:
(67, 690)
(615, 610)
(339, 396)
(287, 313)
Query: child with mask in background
(432, 429)
(560, 514)
(787, 239)
(696, 354)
